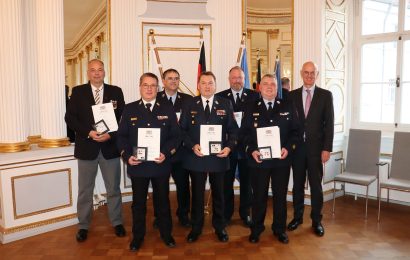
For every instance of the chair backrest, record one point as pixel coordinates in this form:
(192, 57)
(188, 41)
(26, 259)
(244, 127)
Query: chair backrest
(363, 151)
(400, 164)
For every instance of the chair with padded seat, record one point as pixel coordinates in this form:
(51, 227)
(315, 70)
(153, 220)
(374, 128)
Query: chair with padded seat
(399, 173)
(362, 162)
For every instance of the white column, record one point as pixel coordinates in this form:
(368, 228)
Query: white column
(308, 36)
(50, 33)
(13, 119)
(31, 72)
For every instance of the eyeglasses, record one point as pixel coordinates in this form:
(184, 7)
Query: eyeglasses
(146, 86)
(309, 73)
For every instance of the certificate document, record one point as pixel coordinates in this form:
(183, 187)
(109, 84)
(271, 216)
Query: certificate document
(151, 139)
(269, 137)
(210, 134)
(106, 112)
(238, 118)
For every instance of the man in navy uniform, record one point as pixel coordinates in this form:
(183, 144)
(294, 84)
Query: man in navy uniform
(149, 112)
(269, 112)
(238, 96)
(178, 100)
(93, 149)
(208, 109)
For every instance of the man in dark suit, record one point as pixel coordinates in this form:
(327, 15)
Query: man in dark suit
(269, 112)
(93, 149)
(149, 112)
(238, 96)
(178, 100)
(314, 107)
(285, 87)
(208, 109)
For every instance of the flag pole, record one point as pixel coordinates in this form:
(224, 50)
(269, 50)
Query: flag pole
(238, 59)
(154, 44)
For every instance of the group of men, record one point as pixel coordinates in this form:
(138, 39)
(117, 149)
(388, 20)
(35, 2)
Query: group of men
(305, 121)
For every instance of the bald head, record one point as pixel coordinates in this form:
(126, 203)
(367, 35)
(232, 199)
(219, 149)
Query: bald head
(309, 73)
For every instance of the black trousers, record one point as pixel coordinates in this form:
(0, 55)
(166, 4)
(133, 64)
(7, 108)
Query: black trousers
(245, 195)
(198, 181)
(160, 190)
(310, 165)
(181, 179)
(260, 178)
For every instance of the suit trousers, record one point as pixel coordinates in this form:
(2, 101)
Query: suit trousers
(198, 182)
(245, 195)
(260, 178)
(311, 165)
(160, 191)
(111, 173)
(181, 179)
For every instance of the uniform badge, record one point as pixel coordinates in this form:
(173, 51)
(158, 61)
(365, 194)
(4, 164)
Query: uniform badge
(255, 114)
(162, 117)
(220, 112)
(173, 151)
(255, 124)
(133, 118)
(284, 114)
(114, 104)
(194, 112)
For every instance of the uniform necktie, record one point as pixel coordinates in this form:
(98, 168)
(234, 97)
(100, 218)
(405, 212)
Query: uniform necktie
(270, 108)
(308, 102)
(238, 99)
(97, 96)
(148, 106)
(207, 111)
(170, 101)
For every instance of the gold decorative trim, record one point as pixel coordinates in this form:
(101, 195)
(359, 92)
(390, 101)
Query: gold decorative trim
(6, 231)
(30, 161)
(180, 2)
(14, 147)
(177, 35)
(67, 170)
(53, 143)
(34, 139)
(176, 49)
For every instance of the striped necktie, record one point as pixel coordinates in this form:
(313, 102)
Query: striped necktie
(97, 98)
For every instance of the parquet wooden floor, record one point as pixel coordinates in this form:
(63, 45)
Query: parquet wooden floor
(348, 236)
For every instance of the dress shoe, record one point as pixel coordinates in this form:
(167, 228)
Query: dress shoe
(247, 221)
(254, 238)
(294, 224)
(81, 235)
(318, 229)
(282, 237)
(184, 222)
(193, 236)
(119, 230)
(222, 235)
(155, 223)
(169, 241)
(136, 244)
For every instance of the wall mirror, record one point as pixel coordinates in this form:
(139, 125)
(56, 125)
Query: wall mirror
(86, 37)
(268, 24)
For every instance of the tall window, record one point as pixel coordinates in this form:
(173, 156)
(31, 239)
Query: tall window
(383, 93)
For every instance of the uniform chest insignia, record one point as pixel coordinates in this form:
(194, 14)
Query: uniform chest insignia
(162, 117)
(220, 112)
(198, 101)
(173, 151)
(216, 102)
(163, 95)
(140, 102)
(178, 96)
(229, 94)
(259, 103)
(284, 114)
(277, 102)
(194, 112)
(157, 104)
(255, 124)
(245, 94)
(255, 114)
(133, 118)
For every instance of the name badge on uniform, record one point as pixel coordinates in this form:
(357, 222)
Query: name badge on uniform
(162, 117)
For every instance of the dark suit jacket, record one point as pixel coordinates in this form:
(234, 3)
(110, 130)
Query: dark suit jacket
(319, 123)
(191, 120)
(79, 117)
(136, 116)
(181, 101)
(256, 116)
